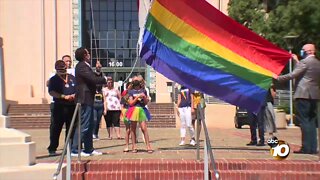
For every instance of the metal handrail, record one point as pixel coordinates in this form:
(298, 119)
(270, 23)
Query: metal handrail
(67, 144)
(207, 149)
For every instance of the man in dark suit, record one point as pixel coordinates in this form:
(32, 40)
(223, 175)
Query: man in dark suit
(86, 81)
(307, 95)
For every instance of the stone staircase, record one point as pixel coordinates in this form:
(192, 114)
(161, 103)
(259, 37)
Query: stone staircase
(18, 156)
(179, 169)
(37, 116)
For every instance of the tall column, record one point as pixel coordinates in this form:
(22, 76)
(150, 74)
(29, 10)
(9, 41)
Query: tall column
(2, 98)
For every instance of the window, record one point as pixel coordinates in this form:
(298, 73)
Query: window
(116, 31)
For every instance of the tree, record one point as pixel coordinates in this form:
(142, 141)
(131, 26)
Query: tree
(274, 19)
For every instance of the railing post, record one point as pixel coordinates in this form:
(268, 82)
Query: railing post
(209, 149)
(79, 134)
(206, 161)
(66, 147)
(68, 162)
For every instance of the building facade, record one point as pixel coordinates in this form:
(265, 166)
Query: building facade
(36, 33)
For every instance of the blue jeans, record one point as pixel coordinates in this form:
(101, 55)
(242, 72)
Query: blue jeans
(86, 130)
(257, 121)
(307, 115)
(97, 114)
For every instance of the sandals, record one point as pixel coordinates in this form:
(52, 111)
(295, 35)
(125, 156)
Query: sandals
(126, 150)
(134, 151)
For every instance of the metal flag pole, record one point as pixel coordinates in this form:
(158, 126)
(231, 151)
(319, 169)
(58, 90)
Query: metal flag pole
(290, 41)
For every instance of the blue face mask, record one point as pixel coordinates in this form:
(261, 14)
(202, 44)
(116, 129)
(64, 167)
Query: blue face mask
(303, 54)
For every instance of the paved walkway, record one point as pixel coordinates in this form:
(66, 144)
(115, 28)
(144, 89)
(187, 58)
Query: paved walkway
(226, 143)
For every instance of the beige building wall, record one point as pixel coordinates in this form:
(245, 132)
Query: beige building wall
(35, 34)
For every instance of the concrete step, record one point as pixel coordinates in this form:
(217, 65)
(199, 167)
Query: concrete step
(41, 171)
(16, 148)
(13, 136)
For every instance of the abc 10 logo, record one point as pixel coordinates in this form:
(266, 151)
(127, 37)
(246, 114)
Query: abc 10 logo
(279, 149)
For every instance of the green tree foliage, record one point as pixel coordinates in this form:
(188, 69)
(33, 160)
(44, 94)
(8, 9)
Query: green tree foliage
(274, 19)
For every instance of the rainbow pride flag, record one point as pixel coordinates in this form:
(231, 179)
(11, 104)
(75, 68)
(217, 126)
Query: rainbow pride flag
(194, 44)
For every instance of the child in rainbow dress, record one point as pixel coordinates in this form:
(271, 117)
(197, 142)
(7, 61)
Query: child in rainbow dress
(124, 108)
(138, 113)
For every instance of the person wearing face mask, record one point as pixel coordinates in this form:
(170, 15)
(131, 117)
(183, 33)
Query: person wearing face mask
(307, 95)
(86, 81)
(62, 89)
(138, 113)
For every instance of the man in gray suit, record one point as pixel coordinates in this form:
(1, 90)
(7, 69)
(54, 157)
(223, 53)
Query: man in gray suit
(307, 95)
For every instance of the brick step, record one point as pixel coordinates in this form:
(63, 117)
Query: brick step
(140, 175)
(194, 174)
(267, 174)
(35, 123)
(180, 164)
(191, 169)
(28, 116)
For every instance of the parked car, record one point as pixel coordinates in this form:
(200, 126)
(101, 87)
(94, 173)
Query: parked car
(241, 118)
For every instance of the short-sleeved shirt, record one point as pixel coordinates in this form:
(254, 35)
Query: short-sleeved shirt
(133, 93)
(112, 99)
(58, 85)
(185, 97)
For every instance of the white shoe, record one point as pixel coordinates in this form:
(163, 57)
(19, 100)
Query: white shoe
(82, 154)
(96, 153)
(193, 142)
(95, 137)
(181, 143)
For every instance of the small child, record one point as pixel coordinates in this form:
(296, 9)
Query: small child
(124, 108)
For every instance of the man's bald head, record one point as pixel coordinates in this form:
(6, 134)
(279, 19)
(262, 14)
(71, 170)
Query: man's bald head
(309, 49)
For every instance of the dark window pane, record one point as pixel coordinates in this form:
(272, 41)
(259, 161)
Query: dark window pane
(127, 6)
(111, 35)
(111, 5)
(111, 15)
(111, 44)
(103, 15)
(126, 53)
(127, 16)
(119, 16)
(119, 25)
(119, 6)
(120, 34)
(111, 25)
(120, 44)
(103, 5)
(103, 25)
(95, 6)
(134, 6)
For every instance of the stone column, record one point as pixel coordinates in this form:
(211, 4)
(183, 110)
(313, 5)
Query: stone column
(2, 98)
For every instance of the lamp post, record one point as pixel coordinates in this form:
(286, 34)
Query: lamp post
(290, 41)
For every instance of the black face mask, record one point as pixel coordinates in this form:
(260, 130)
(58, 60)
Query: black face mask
(135, 83)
